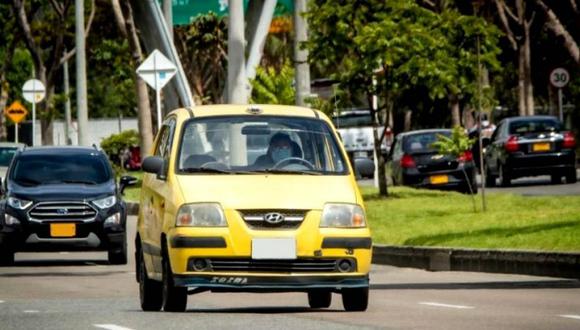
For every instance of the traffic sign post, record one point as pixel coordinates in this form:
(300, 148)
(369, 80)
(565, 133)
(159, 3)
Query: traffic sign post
(559, 78)
(33, 91)
(16, 112)
(157, 70)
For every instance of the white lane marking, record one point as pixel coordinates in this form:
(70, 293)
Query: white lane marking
(64, 252)
(30, 311)
(1, 301)
(575, 317)
(445, 305)
(111, 327)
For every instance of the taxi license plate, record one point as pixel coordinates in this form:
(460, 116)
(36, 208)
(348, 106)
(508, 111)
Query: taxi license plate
(541, 147)
(439, 179)
(63, 230)
(273, 248)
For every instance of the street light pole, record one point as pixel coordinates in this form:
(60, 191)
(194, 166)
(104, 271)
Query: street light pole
(81, 71)
(301, 55)
(67, 116)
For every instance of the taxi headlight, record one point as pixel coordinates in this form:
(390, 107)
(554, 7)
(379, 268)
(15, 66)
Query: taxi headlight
(201, 215)
(343, 215)
(19, 204)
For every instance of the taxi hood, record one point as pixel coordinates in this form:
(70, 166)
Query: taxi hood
(271, 191)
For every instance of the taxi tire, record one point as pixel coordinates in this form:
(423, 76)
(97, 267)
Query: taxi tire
(150, 292)
(355, 299)
(319, 298)
(174, 298)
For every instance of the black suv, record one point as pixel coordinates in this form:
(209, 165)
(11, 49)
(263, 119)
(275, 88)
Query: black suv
(63, 199)
(530, 146)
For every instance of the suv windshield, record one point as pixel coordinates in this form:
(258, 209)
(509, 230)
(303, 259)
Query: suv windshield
(423, 142)
(37, 169)
(252, 144)
(6, 155)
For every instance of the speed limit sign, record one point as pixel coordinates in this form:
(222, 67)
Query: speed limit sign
(559, 77)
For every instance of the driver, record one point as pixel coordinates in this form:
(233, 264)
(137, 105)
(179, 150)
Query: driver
(281, 147)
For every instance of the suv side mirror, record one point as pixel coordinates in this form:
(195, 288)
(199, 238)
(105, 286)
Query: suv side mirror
(126, 181)
(155, 165)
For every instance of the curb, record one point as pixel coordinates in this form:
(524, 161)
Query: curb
(554, 264)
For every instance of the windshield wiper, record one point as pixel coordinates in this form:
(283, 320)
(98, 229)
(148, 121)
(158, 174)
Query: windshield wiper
(27, 182)
(204, 170)
(78, 181)
(282, 171)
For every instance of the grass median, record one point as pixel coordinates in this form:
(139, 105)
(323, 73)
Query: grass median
(412, 217)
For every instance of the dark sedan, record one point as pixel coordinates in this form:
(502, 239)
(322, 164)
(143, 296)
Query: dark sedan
(530, 146)
(414, 162)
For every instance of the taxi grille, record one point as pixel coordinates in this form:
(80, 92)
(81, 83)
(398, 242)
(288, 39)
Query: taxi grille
(320, 265)
(62, 211)
(256, 219)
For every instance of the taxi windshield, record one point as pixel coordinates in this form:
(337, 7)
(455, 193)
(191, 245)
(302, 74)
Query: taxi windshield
(250, 144)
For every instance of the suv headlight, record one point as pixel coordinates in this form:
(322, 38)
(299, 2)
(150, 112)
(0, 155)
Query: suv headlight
(19, 204)
(201, 215)
(343, 215)
(105, 203)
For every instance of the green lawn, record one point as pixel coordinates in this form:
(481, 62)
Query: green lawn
(132, 193)
(446, 219)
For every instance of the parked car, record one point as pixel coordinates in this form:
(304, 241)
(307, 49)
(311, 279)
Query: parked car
(530, 146)
(288, 220)
(7, 152)
(355, 127)
(63, 199)
(414, 162)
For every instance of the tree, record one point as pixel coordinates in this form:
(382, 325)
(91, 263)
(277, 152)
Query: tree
(272, 86)
(558, 28)
(44, 29)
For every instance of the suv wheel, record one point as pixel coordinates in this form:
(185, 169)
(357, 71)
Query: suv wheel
(6, 256)
(556, 179)
(319, 298)
(571, 176)
(150, 292)
(174, 298)
(355, 299)
(118, 255)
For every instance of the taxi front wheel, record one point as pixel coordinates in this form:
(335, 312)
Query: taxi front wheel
(174, 298)
(355, 299)
(150, 292)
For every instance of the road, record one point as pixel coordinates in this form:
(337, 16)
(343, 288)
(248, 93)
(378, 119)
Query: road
(80, 291)
(532, 186)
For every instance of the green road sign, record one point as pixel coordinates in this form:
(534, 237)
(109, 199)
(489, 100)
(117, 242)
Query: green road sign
(184, 11)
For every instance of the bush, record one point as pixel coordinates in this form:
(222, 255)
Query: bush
(116, 144)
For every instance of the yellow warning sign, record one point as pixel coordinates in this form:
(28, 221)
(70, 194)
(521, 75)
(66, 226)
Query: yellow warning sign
(16, 112)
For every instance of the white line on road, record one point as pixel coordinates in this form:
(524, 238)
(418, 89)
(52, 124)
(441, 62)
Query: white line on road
(111, 327)
(575, 317)
(1, 301)
(445, 305)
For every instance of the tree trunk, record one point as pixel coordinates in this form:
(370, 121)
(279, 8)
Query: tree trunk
(381, 168)
(521, 82)
(3, 101)
(455, 113)
(529, 87)
(559, 30)
(408, 120)
(143, 104)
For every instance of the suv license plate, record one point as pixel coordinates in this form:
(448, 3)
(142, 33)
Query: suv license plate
(62, 230)
(273, 248)
(541, 147)
(439, 179)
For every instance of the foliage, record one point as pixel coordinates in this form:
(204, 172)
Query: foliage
(115, 144)
(456, 144)
(437, 218)
(273, 87)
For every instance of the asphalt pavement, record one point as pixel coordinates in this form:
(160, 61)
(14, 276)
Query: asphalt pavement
(81, 291)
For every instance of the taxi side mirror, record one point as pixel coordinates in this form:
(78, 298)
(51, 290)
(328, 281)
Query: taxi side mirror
(155, 165)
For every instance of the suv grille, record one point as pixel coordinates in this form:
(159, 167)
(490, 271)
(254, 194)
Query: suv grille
(257, 219)
(62, 211)
(313, 265)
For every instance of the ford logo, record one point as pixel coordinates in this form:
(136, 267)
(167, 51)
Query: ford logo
(62, 211)
(273, 218)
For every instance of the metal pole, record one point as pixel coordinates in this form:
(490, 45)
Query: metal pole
(157, 94)
(237, 81)
(481, 165)
(560, 110)
(16, 132)
(375, 106)
(67, 115)
(33, 119)
(81, 71)
(258, 37)
(301, 55)
(168, 14)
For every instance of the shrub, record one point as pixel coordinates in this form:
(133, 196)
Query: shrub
(116, 144)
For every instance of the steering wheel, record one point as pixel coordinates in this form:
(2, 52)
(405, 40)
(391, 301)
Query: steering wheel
(290, 160)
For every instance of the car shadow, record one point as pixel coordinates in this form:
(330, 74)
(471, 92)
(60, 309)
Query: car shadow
(495, 285)
(59, 263)
(258, 310)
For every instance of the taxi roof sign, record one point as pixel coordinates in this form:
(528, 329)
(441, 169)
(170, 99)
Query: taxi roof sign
(16, 112)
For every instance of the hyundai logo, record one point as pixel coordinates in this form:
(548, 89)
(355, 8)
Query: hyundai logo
(62, 211)
(274, 218)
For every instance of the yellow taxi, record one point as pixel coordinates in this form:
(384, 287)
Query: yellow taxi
(250, 198)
